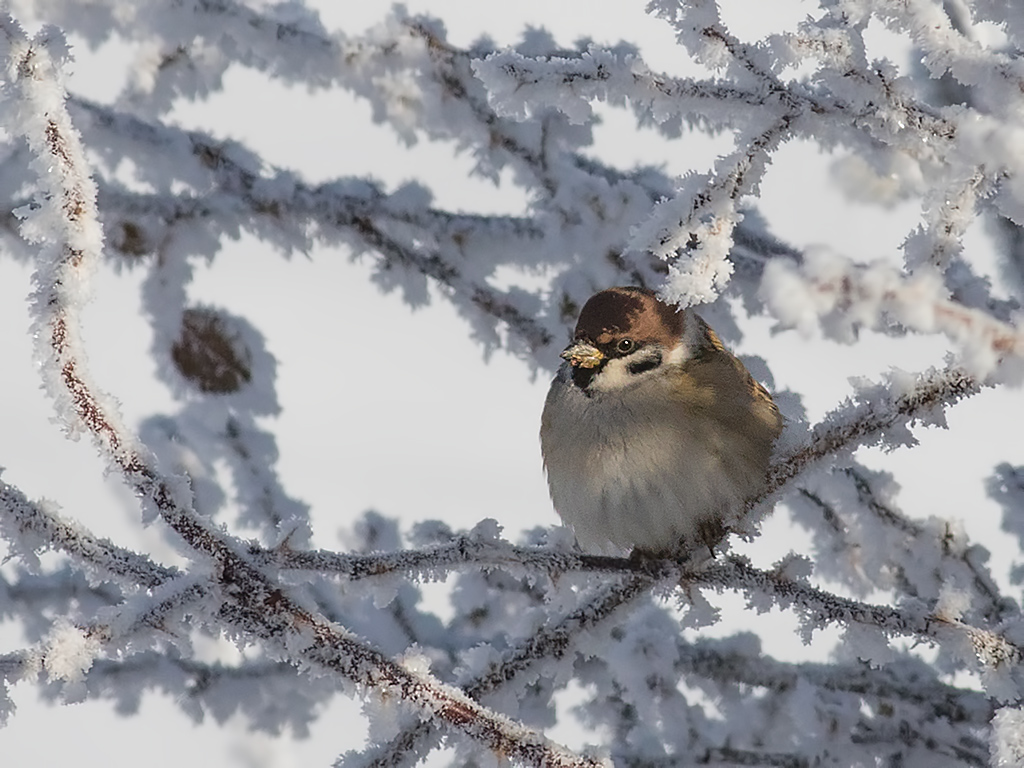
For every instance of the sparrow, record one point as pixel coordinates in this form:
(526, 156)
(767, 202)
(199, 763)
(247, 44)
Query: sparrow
(653, 434)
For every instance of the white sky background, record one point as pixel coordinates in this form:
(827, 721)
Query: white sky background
(440, 435)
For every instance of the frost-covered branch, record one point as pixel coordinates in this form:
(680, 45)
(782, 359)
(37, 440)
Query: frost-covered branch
(272, 206)
(257, 606)
(829, 292)
(997, 654)
(919, 557)
(730, 663)
(882, 412)
(294, 214)
(31, 527)
(552, 643)
(526, 618)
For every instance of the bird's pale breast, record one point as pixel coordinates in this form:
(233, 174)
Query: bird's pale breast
(644, 471)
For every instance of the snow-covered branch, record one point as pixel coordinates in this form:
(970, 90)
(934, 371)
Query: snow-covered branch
(829, 292)
(256, 606)
(921, 558)
(31, 527)
(90, 184)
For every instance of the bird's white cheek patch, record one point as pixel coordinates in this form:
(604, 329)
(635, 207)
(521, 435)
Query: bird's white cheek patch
(613, 376)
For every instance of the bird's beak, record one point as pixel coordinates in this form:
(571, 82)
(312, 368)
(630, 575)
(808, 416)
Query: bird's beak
(582, 355)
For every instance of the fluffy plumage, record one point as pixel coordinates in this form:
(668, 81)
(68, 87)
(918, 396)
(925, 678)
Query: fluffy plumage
(653, 434)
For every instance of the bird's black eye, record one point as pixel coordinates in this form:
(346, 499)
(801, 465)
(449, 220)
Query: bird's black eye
(625, 345)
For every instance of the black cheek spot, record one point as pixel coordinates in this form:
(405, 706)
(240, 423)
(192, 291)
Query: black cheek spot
(645, 364)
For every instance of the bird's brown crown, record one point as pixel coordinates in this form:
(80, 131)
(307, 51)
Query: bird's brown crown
(626, 311)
